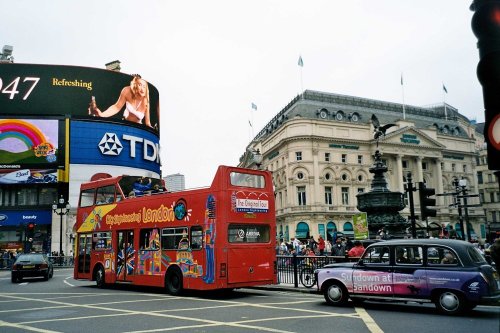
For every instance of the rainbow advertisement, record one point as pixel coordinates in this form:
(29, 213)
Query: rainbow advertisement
(28, 143)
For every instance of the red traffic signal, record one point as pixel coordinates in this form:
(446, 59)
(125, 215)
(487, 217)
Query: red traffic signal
(30, 229)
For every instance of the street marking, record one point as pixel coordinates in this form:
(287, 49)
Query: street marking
(197, 323)
(26, 328)
(368, 320)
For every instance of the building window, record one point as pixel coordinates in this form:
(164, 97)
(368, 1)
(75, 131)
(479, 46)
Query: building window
(327, 157)
(327, 176)
(490, 178)
(492, 197)
(464, 167)
(480, 177)
(361, 190)
(360, 178)
(301, 195)
(298, 156)
(453, 167)
(345, 196)
(300, 175)
(405, 164)
(344, 177)
(328, 195)
(344, 158)
(424, 165)
(481, 196)
(360, 159)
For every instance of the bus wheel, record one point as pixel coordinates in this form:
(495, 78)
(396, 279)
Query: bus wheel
(173, 281)
(99, 278)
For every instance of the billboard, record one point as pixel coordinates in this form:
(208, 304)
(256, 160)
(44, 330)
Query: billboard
(30, 143)
(16, 218)
(27, 89)
(28, 176)
(97, 143)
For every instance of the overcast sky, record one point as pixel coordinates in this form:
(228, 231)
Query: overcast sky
(210, 60)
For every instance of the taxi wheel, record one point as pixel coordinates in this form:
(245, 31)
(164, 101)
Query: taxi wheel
(450, 302)
(336, 294)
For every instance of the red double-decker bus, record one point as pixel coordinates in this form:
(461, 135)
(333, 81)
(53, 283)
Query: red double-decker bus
(131, 230)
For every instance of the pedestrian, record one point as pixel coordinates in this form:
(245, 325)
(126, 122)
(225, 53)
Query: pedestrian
(357, 250)
(328, 248)
(338, 250)
(321, 245)
(495, 252)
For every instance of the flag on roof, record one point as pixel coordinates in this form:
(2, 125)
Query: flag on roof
(301, 63)
(444, 88)
(254, 106)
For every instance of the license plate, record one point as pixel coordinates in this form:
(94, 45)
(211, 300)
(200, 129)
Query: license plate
(28, 266)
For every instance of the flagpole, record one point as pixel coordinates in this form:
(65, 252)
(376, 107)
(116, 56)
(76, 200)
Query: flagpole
(444, 102)
(403, 90)
(301, 65)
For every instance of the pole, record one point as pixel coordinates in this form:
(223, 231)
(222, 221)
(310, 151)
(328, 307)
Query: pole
(411, 189)
(60, 230)
(469, 236)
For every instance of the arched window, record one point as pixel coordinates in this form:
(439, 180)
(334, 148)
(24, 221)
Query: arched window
(302, 230)
(348, 229)
(330, 229)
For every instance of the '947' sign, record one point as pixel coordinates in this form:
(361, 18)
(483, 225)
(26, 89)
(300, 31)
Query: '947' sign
(13, 88)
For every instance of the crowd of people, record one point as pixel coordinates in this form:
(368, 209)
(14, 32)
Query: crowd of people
(7, 258)
(342, 246)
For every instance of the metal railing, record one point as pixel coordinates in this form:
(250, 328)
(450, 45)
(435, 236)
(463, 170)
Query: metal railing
(57, 261)
(289, 266)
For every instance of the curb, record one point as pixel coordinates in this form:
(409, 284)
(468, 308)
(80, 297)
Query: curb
(286, 288)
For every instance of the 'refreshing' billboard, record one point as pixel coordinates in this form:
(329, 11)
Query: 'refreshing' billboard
(81, 92)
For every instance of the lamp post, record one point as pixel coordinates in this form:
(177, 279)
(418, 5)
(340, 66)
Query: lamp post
(257, 158)
(61, 208)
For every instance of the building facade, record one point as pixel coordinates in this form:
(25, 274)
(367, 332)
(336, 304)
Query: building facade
(320, 148)
(175, 182)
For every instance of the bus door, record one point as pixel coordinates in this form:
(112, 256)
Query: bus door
(83, 260)
(125, 259)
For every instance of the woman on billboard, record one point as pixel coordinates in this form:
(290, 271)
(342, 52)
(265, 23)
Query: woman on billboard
(135, 98)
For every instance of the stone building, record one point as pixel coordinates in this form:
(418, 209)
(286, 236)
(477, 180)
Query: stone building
(320, 147)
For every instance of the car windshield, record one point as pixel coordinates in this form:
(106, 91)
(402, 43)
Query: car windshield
(476, 255)
(30, 257)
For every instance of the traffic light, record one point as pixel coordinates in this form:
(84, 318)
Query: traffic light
(424, 194)
(30, 230)
(486, 27)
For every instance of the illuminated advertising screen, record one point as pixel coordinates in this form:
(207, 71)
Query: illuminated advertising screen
(97, 143)
(30, 143)
(27, 89)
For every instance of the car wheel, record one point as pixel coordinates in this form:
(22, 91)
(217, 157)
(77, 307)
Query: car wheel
(100, 278)
(51, 274)
(336, 294)
(174, 282)
(46, 276)
(14, 279)
(450, 302)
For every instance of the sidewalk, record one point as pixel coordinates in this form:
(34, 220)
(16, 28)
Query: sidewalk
(288, 287)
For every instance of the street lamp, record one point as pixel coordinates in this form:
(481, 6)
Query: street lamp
(257, 158)
(61, 208)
